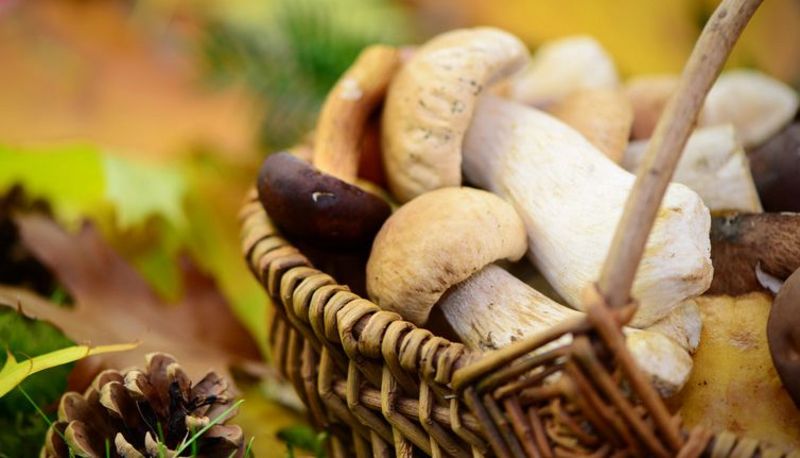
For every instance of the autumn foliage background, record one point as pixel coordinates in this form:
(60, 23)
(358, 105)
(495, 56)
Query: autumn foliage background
(137, 126)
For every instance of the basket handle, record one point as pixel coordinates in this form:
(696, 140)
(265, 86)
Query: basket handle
(665, 147)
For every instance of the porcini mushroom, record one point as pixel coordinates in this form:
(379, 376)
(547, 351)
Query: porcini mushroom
(783, 334)
(776, 170)
(603, 116)
(753, 251)
(430, 103)
(757, 105)
(648, 95)
(439, 249)
(714, 165)
(320, 203)
(571, 197)
(733, 385)
(561, 67)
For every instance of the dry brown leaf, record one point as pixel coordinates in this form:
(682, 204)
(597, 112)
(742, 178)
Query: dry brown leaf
(113, 303)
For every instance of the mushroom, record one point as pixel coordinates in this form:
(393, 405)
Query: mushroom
(758, 106)
(561, 67)
(430, 103)
(571, 198)
(683, 325)
(439, 250)
(783, 334)
(649, 95)
(603, 116)
(714, 165)
(320, 203)
(753, 251)
(569, 195)
(755, 104)
(733, 385)
(776, 168)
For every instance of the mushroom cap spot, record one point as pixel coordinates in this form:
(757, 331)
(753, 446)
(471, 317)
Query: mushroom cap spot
(436, 241)
(317, 207)
(430, 104)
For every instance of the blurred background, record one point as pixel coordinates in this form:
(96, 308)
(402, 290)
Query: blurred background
(151, 117)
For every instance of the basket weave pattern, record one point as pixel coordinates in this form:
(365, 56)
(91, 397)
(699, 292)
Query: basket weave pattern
(385, 387)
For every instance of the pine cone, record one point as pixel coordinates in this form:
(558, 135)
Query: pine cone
(145, 414)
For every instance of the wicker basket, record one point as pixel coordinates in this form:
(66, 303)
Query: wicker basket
(382, 386)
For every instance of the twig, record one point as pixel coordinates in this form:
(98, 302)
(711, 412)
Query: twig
(665, 148)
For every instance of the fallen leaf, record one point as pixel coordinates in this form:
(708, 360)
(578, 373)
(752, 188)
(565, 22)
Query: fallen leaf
(97, 72)
(113, 303)
(261, 418)
(14, 372)
(22, 428)
(81, 179)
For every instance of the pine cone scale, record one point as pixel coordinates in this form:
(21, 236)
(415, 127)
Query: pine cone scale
(145, 414)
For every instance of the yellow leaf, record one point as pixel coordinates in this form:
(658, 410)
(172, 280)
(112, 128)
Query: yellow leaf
(14, 372)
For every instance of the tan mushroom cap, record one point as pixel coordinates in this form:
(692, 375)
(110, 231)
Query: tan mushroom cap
(436, 241)
(430, 104)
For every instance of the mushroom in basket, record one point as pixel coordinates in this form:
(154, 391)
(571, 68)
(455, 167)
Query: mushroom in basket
(319, 202)
(439, 250)
(569, 195)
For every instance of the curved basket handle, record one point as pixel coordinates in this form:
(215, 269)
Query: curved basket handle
(663, 152)
(665, 148)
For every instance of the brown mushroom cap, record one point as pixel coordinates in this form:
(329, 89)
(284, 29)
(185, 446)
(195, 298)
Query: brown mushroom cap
(783, 334)
(436, 241)
(317, 207)
(430, 103)
(318, 203)
(742, 243)
(776, 170)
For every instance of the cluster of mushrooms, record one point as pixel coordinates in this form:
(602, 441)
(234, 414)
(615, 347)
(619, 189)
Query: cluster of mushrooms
(490, 156)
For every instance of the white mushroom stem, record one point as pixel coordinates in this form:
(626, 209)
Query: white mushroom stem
(683, 325)
(714, 165)
(571, 197)
(492, 308)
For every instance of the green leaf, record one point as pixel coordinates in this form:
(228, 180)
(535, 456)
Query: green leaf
(70, 177)
(81, 180)
(14, 372)
(141, 204)
(22, 429)
(28, 337)
(305, 438)
(138, 191)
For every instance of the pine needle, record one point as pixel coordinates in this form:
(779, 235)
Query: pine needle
(219, 418)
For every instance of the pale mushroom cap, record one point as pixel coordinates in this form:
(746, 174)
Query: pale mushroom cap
(431, 101)
(757, 105)
(714, 165)
(562, 66)
(436, 241)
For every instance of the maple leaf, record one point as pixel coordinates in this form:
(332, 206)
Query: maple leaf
(113, 303)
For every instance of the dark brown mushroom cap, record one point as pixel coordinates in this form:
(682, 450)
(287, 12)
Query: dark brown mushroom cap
(783, 335)
(743, 242)
(776, 170)
(317, 207)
